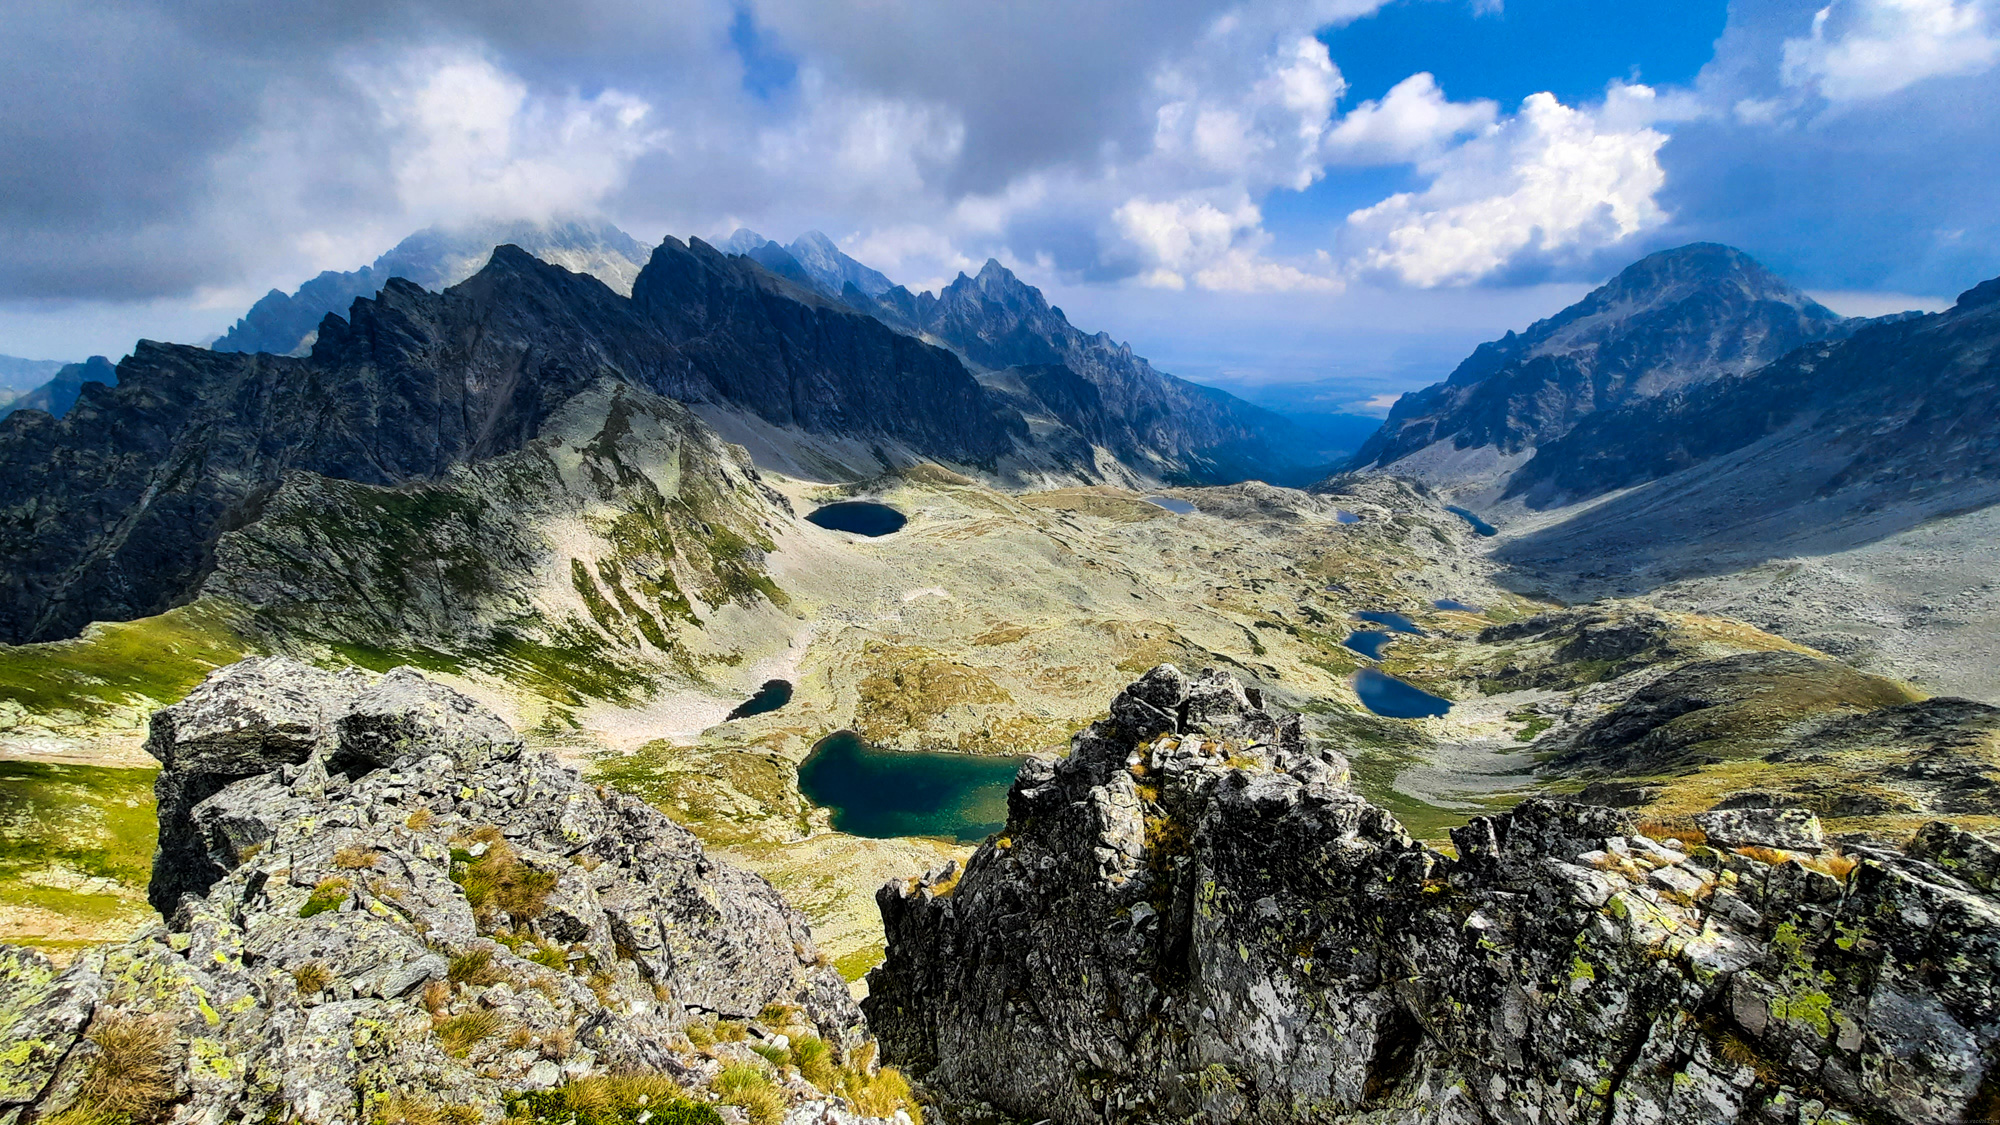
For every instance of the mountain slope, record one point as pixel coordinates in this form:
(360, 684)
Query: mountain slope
(812, 259)
(59, 394)
(1835, 445)
(1673, 319)
(19, 376)
(114, 511)
(1168, 427)
(435, 258)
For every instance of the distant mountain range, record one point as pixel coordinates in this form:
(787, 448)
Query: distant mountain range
(59, 393)
(435, 258)
(1672, 320)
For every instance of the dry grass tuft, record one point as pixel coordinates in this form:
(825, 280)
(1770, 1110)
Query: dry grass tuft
(312, 977)
(421, 819)
(459, 1034)
(474, 966)
(132, 1080)
(611, 1099)
(496, 881)
(1679, 828)
(355, 857)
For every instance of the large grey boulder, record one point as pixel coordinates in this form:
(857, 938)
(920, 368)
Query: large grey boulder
(1206, 925)
(469, 922)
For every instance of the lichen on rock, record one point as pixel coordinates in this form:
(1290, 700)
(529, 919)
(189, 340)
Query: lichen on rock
(376, 897)
(1191, 917)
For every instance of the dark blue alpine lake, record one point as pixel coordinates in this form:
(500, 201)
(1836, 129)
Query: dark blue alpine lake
(1386, 695)
(1479, 526)
(1461, 607)
(773, 695)
(887, 793)
(862, 517)
(1171, 504)
(1394, 621)
(1367, 642)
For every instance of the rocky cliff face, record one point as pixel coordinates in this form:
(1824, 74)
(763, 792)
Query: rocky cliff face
(1164, 426)
(1191, 917)
(1835, 445)
(381, 907)
(435, 258)
(1674, 319)
(115, 510)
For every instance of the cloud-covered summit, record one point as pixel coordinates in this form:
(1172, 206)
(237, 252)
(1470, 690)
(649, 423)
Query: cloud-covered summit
(172, 160)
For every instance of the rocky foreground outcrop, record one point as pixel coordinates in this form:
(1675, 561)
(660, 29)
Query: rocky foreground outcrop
(378, 900)
(1191, 917)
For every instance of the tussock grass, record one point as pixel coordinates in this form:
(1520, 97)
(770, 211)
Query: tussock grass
(326, 895)
(614, 1099)
(312, 977)
(474, 966)
(495, 881)
(749, 1089)
(132, 1080)
(459, 1034)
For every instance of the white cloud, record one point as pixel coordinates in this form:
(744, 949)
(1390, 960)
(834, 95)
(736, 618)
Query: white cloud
(468, 138)
(1550, 179)
(1412, 122)
(1859, 49)
(1182, 240)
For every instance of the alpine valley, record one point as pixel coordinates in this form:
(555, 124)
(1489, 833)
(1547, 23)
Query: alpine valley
(419, 706)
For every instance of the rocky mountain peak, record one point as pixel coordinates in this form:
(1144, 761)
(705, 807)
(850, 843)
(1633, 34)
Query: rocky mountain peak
(380, 904)
(1674, 319)
(1191, 916)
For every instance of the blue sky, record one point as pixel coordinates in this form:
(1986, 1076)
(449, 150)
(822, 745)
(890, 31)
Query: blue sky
(1336, 195)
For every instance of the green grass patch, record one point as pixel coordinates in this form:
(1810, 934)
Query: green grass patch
(150, 662)
(94, 820)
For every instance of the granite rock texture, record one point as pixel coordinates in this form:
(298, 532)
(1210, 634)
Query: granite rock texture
(403, 903)
(1191, 917)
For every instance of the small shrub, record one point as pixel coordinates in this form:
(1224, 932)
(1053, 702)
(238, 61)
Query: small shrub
(474, 966)
(750, 1090)
(327, 895)
(701, 1034)
(729, 1031)
(355, 857)
(312, 977)
(460, 1033)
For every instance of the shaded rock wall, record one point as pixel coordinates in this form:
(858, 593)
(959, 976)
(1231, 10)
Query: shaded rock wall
(1191, 917)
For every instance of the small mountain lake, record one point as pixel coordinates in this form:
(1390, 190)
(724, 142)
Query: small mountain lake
(773, 695)
(1461, 607)
(1367, 642)
(862, 517)
(1395, 621)
(1341, 515)
(1479, 526)
(1171, 504)
(885, 793)
(1386, 695)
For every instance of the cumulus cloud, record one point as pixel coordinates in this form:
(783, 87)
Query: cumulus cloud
(1549, 180)
(1414, 121)
(1191, 239)
(1859, 49)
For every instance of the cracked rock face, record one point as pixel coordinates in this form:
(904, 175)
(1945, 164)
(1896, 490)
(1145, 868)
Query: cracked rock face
(1204, 923)
(349, 866)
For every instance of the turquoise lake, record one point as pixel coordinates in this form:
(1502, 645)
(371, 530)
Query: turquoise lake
(885, 793)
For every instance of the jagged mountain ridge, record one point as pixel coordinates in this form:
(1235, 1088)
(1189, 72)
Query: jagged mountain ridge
(1834, 445)
(812, 259)
(1673, 319)
(435, 258)
(1176, 429)
(114, 511)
